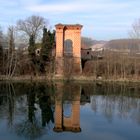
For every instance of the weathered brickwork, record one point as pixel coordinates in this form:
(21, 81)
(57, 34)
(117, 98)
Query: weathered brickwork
(73, 33)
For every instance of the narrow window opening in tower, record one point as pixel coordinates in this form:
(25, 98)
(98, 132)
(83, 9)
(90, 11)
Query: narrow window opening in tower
(68, 48)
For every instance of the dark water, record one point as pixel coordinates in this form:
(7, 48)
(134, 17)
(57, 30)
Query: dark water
(65, 111)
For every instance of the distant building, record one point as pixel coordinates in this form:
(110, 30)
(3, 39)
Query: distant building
(86, 53)
(94, 52)
(97, 47)
(37, 51)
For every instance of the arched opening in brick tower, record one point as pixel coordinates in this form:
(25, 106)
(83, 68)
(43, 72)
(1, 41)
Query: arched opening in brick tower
(67, 109)
(68, 47)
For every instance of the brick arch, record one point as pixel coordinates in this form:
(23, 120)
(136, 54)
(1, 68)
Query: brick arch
(63, 33)
(68, 47)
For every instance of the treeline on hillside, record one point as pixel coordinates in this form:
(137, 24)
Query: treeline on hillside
(87, 42)
(124, 44)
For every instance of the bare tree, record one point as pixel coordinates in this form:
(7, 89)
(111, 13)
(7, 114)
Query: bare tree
(135, 33)
(32, 25)
(12, 57)
(11, 39)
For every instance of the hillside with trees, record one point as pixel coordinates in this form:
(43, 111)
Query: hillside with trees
(131, 45)
(88, 42)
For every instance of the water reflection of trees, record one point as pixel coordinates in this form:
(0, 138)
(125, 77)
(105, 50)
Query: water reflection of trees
(46, 109)
(38, 98)
(29, 107)
(116, 100)
(7, 102)
(29, 103)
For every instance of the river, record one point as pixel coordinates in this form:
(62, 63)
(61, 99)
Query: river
(69, 110)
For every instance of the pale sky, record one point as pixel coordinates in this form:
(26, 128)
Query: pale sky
(101, 19)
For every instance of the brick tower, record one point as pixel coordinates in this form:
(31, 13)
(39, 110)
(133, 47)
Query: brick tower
(68, 49)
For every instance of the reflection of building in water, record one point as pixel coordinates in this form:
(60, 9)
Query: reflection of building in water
(85, 97)
(72, 122)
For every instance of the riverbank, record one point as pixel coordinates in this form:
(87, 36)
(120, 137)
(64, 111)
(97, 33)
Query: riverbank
(72, 78)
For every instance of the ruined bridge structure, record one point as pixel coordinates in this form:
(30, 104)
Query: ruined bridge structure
(68, 49)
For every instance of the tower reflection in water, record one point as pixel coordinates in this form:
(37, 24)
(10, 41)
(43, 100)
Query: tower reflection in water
(69, 95)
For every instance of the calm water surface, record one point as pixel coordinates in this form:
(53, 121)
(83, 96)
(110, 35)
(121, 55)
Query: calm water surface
(65, 111)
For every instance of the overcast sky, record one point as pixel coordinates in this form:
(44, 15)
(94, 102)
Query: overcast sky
(101, 19)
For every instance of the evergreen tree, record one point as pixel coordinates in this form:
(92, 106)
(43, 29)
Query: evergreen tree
(11, 36)
(1, 51)
(47, 44)
(1, 48)
(51, 38)
(35, 65)
(31, 47)
(46, 49)
(1, 57)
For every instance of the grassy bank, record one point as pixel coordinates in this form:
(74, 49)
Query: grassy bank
(61, 78)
